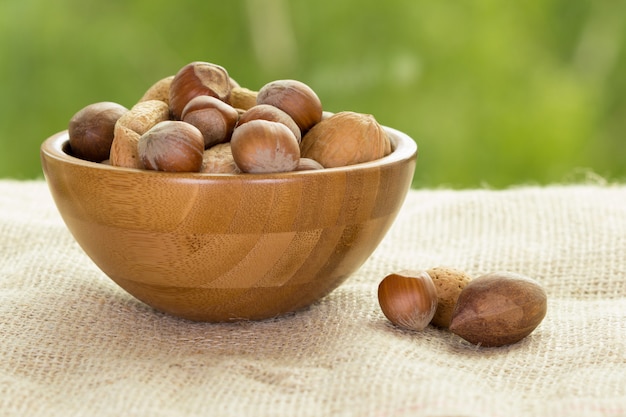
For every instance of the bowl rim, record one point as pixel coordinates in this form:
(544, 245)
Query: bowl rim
(403, 148)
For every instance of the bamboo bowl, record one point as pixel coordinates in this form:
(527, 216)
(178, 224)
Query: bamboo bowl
(223, 247)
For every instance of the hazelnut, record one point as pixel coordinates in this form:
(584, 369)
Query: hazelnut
(91, 130)
(408, 299)
(197, 79)
(498, 309)
(173, 146)
(214, 118)
(262, 146)
(273, 114)
(296, 99)
(219, 159)
(449, 283)
(345, 138)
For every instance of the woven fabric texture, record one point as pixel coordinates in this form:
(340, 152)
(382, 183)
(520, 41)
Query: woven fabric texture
(75, 344)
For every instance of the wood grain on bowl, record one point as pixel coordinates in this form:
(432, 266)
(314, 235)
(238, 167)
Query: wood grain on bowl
(223, 247)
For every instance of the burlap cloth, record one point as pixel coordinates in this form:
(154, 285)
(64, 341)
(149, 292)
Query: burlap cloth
(75, 344)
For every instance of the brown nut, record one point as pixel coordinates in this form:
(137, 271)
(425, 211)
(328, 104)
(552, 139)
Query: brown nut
(159, 90)
(308, 164)
(214, 118)
(91, 130)
(242, 98)
(172, 146)
(219, 159)
(408, 299)
(498, 309)
(449, 283)
(262, 146)
(296, 99)
(273, 114)
(345, 138)
(197, 79)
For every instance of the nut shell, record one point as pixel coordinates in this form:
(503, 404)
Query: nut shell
(160, 90)
(273, 114)
(129, 128)
(346, 138)
(215, 119)
(262, 146)
(408, 299)
(296, 99)
(218, 159)
(124, 151)
(91, 130)
(145, 114)
(308, 164)
(449, 283)
(172, 146)
(197, 79)
(242, 98)
(499, 309)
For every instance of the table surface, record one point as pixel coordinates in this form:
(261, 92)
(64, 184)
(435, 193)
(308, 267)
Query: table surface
(73, 343)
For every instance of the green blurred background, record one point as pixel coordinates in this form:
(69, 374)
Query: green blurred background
(495, 93)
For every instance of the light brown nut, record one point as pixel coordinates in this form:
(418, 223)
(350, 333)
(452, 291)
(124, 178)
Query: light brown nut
(345, 138)
(498, 309)
(129, 128)
(159, 91)
(242, 98)
(262, 146)
(124, 148)
(172, 146)
(273, 114)
(218, 159)
(408, 299)
(449, 283)
(308, 164)
(145, 114)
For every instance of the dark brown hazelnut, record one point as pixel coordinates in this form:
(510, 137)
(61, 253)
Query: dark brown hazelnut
(197, 79)
(296, 99)
(91, 130)
(214, 118)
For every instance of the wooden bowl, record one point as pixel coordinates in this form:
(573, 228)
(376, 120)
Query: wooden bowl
(226, 247)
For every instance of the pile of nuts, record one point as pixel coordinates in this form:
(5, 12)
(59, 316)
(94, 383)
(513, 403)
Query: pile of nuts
(202, 120)
(492, 310)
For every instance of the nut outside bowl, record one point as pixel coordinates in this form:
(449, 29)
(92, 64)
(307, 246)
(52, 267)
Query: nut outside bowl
(228, 247)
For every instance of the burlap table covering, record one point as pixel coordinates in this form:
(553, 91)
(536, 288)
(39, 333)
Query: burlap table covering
(75, 344)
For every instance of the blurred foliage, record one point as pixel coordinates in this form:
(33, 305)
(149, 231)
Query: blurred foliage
(495, 93)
